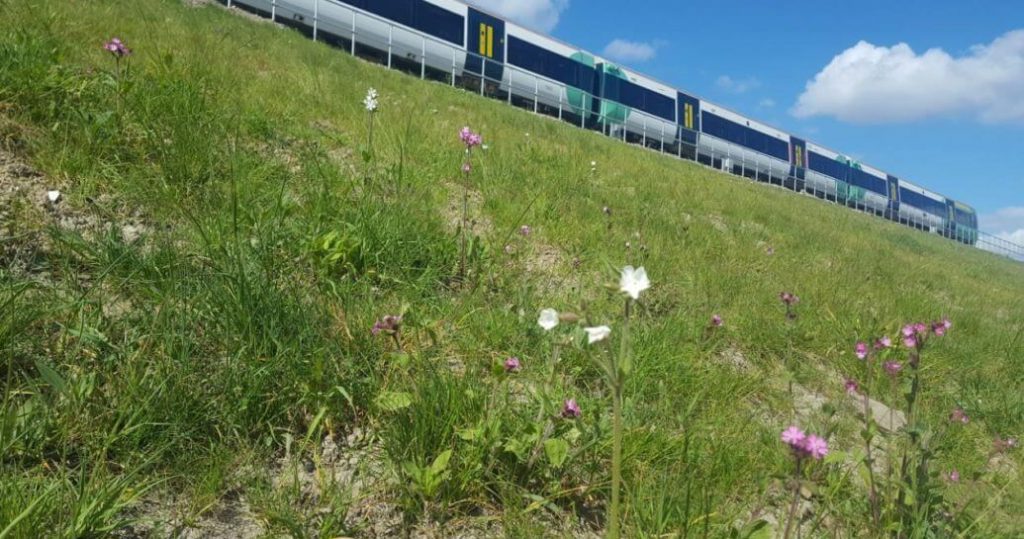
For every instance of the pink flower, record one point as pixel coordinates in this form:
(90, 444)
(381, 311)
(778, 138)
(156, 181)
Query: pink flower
(469, 138)
(512, 364)
(116, 47)
(571, 410)
(921, 329)
(908, 330)
(794, 437)
(525, 230)
(788, 298)
(959, 416)
(467, 168)
(884, 342)
(940, 328)
(946, 323)
(861, 350)
(390, 324)
(851, 386)
(816, 447)
(893, 367)
(910, 342)
(953, 476)
(716, 321)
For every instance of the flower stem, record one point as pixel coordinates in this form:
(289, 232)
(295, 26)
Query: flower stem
(796, 499)
(618, 381)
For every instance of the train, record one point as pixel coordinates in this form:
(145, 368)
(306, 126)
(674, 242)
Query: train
(462, 45)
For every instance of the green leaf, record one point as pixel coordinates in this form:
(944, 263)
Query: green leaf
(393, 401)
(51, 377)
(835, 457)
(469, 434)
(557, 450)
(440, 463)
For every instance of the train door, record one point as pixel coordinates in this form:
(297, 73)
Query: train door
(798, 158)
(689, 120)
(893, 211)
(950, 225)
(486, 43)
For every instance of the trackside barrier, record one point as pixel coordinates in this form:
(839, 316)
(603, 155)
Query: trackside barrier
(522, 89)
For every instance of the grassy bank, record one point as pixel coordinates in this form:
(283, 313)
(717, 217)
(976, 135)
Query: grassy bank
(189, 327)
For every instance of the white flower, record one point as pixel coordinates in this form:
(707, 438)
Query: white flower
(53, 196)
(634, 281)
(548, 319)
(599, 333)
(593, 164)
(485, 147)
(371, 100)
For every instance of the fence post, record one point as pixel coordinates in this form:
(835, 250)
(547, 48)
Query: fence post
(423, 60)
(273, 10)
(455, 63)
(536, 94)
(316, 17)
(391, 38)
(353, 44)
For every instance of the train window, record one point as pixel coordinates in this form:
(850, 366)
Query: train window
(829, 167)
(719, 127)
(422, 16)
(553, 66)
(869, 182)
(637, 97)
(921, 202)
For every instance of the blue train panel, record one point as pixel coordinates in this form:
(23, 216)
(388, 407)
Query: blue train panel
(554, 66)
(921, 202)
(422, 16)
(689, 118)
(486, 41)
(616, 88)
(730, 131)
(798, 158)
(829, 167)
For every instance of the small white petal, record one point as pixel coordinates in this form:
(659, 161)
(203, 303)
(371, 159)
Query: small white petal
(599, 333)
(548, 319)
(53, 196)
(634, 281)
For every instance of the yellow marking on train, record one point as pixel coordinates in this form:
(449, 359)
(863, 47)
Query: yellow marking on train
(490, 42)
(483, 39)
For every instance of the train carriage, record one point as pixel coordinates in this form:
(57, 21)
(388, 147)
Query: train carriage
(452, 41)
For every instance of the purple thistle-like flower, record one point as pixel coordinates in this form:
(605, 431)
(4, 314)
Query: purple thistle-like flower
(959, 416)
(921, 329)
(816, 447)
(884, 342)
(861, 350)
(469, 138)
(571, 410)
(789, 298)
(851, 385)
(910, 342)
(953, 476)
(389, 324)
(467, 168)
(908, 330)
(525, 230)
(716, 321)
(116, 47)
(893, 367)
(512, 364)
(794, 437)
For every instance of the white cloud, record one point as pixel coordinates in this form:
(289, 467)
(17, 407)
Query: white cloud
(737, 86)
(872, 84)
(766, 103)
(1006, 224)
(630, 51)
(537, 14)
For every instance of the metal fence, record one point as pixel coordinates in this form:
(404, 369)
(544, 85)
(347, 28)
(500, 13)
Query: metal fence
(443, 62)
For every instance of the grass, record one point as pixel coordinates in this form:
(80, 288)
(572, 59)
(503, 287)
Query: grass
(235, 331)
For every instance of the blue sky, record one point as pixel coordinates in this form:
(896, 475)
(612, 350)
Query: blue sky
(931, 91)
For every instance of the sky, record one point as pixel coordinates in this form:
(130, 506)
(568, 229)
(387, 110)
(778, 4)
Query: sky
(927, 90)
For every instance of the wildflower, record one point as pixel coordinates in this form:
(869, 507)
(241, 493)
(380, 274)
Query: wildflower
(862, 350)
(53, 196)
(467, 168)
(634, 281)
(769, 251)
(469, 138)
(789, 298)
(910, 342)
(512, 364)
(571, 410)
(116, 47)
(525, 230)
(508, 249)
(716, 321)
(953, 476)
(893, 367)
(851, 386)
(959, 416)
(390, 324)
(370, 101)
(939, 330)
(485, 147)
(794, 437)
(921, 329)
(816, 447)
(548, 319)
(597, 334)
(908, 330)
(884, 342)
(593, 164)
(607, 211)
